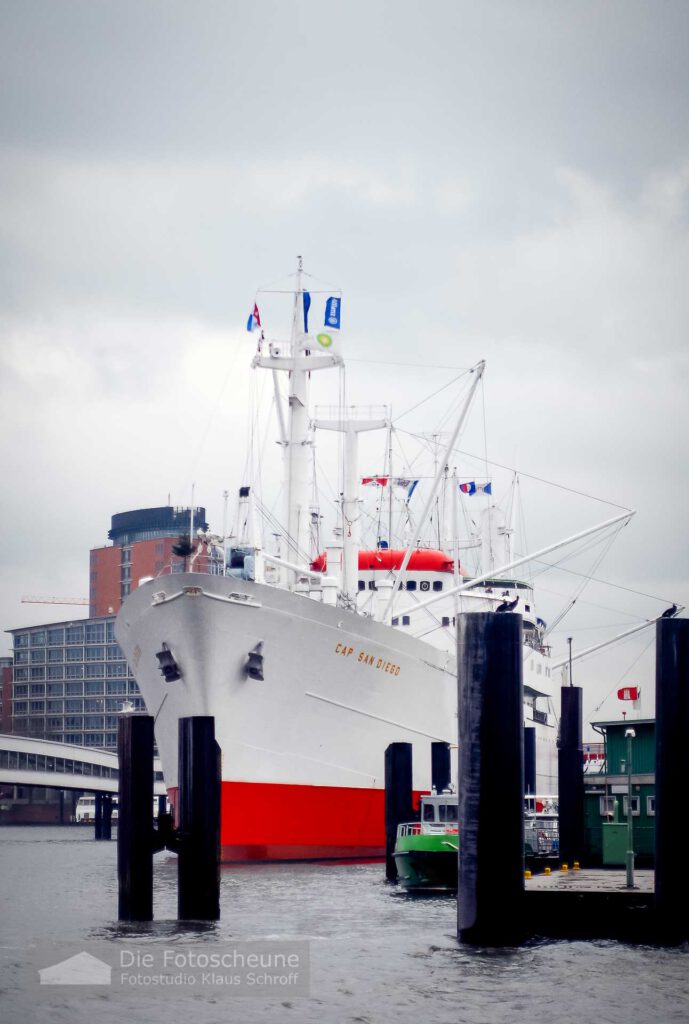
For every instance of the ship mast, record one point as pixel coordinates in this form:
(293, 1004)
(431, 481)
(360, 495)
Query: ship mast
(297, 361)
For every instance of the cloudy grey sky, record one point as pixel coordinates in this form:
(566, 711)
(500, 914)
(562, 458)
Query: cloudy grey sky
(503, 180)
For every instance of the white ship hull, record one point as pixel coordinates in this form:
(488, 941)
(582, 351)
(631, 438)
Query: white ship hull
(302, 749)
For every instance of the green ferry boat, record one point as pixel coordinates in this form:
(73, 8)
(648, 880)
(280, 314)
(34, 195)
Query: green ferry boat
(426, 851)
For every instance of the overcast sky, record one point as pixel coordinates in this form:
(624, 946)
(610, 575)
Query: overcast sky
(506, 181)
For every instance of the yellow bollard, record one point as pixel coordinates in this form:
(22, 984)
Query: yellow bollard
(576, 866)
(546, 871)
(565, 868)
(527, 873)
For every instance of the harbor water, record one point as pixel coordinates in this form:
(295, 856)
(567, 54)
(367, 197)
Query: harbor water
(374, 953)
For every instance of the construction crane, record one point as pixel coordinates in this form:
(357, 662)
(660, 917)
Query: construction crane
(55, 600)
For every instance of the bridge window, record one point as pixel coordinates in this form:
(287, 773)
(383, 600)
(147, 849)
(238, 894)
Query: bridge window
(56, 636)
(437, 584)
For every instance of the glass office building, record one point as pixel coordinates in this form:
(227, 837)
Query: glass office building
(70, 682)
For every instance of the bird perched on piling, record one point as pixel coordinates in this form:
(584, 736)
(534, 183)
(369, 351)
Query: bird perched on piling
(508, 606)
(669, 612)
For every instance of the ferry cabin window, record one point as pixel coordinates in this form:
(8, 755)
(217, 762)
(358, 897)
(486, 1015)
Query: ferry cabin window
(429, 812)
(437, 584)
(405, 620)
(362, 585)
(447, 812)
(371, 584)
(396, 621)
(411, 584)
(445, 620)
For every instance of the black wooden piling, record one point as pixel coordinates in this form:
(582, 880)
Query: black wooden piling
(103, 816)
(440, 766)
(199, 820)
(135, 826)
(672, 772)
(529, 759)
(570, 776)
(398, 798)
(491, 823)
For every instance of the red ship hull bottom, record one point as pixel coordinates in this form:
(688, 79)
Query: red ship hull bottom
(272, 821)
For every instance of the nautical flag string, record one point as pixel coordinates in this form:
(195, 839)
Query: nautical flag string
(471, 487)
(254, 320)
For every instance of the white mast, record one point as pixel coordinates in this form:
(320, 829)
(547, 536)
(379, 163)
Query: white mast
(351, 527)
(297, 361)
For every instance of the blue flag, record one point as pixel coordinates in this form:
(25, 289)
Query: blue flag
(332, 312)
(307, 304)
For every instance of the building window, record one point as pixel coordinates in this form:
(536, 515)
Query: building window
(94, 686)
(116, 686)
(74, 722)
(20, 674)
(125, 590)
(94, 722)
(94, 704)
(21, 691)
(95, 632)
(126, 573)
(38, 689)
(38, 657)
(54, 706)
(636, 806)
(116, 669)
(55, 654)
(37, 707)
(74, 705)
(606, 806)
(96, 671)
(38, 639)
(21, 657)
(55, 671)
(74, 688)
(21, 640)
(74, 654)
(93, 739)
(134, 687)
(95, 653)
(38, 671)
(74, 671)
(54, 723)
(74, 635)
(55, 689)
(437, 584)
(651, 806)
(109, 632)
(21, 707)
(126, 555)
(114, 653)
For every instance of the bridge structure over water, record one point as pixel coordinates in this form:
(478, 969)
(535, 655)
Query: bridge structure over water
(26, 761)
